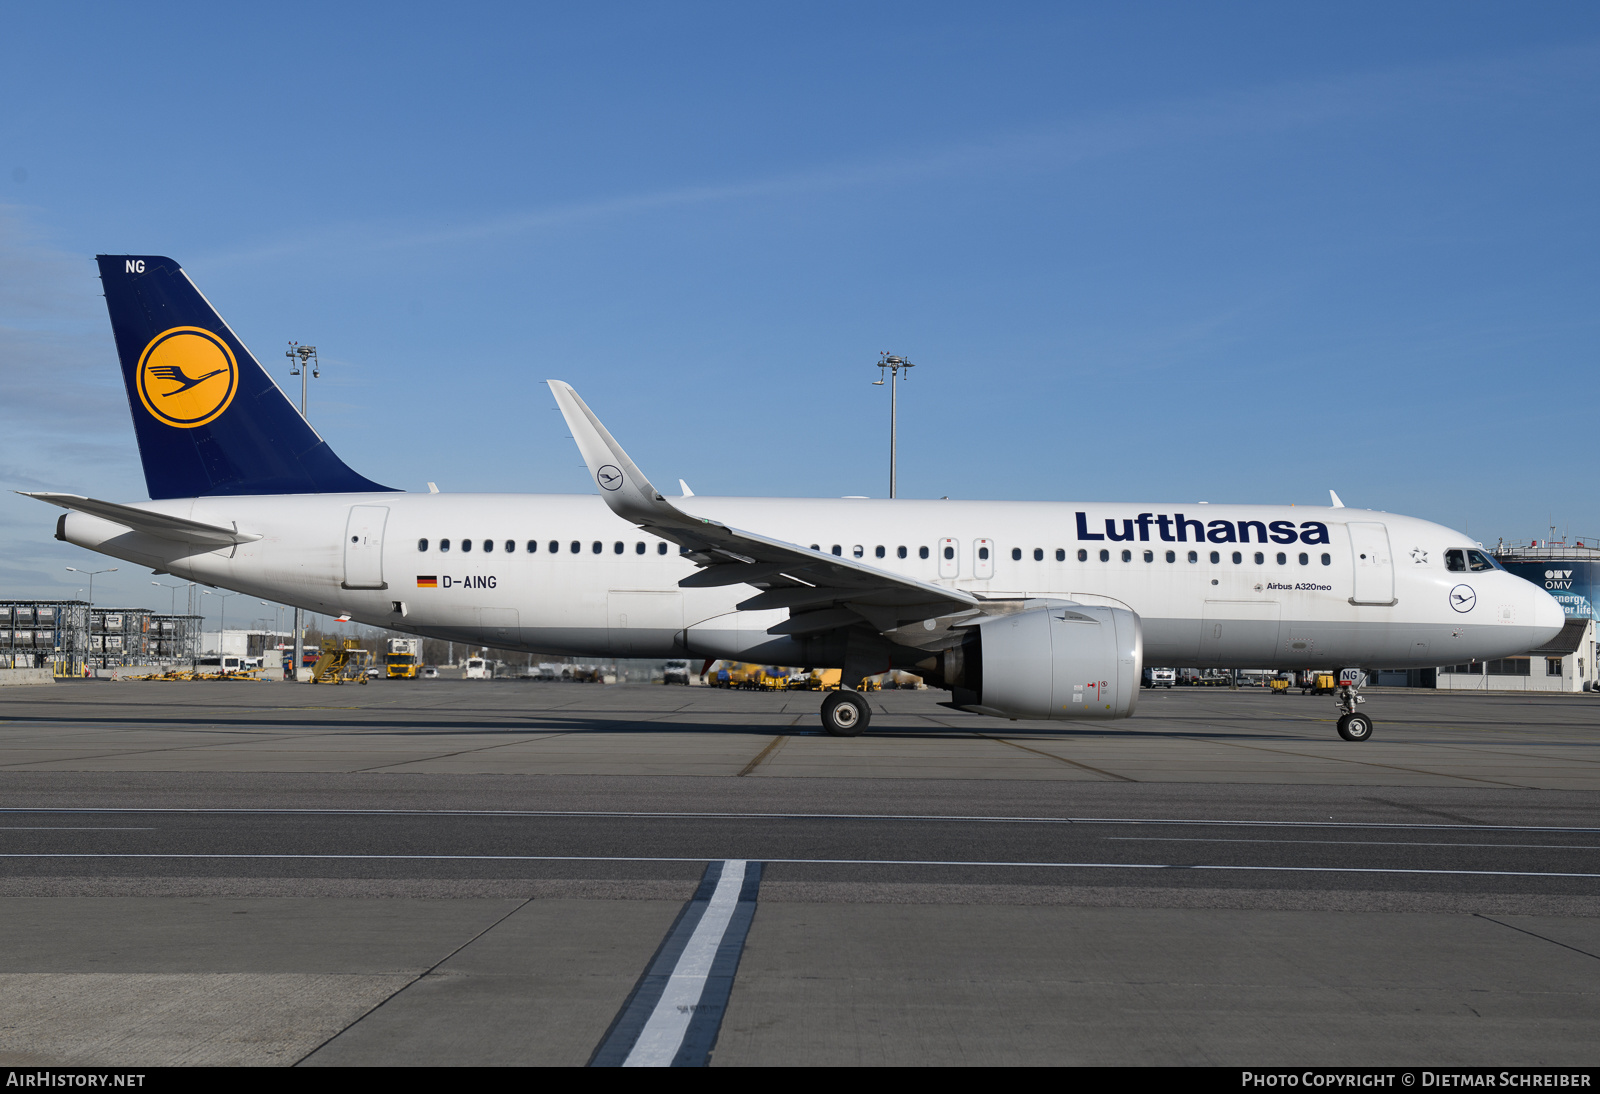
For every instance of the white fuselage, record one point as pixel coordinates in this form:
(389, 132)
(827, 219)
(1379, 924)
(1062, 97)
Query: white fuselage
(1375, 593)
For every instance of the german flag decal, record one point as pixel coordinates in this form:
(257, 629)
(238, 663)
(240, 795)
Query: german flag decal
(430, 582)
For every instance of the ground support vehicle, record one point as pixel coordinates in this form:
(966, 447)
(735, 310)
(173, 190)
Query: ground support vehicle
(340, 661)
(403, 661)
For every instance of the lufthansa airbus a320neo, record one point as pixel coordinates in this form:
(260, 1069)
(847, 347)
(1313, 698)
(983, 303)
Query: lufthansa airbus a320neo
(1019, 609)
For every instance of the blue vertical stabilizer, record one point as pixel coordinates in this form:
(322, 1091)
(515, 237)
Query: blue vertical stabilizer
(209, 419)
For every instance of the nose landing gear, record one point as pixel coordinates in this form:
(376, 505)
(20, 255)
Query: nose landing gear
(1352, 726)
(845, 714)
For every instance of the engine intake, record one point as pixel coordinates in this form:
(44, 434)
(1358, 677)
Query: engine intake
(1062, 662)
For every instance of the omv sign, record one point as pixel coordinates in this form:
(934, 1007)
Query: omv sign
(1574, 582)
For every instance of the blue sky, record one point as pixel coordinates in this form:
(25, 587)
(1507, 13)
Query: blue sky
(1162, 251)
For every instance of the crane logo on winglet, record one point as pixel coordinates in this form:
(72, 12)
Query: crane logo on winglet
(609, 477)
(187, 376)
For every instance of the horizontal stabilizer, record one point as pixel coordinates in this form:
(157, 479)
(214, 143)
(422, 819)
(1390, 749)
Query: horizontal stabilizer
(151, 524)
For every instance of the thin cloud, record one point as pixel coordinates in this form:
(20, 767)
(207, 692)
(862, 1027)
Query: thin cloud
(1255, 111)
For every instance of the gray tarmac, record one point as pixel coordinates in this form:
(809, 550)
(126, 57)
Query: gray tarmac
(443, 872)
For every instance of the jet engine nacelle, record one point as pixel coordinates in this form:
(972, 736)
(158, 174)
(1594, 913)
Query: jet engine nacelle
(1062, 662)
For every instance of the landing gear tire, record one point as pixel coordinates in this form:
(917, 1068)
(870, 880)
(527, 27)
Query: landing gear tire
(845, 714)
(1355, 727)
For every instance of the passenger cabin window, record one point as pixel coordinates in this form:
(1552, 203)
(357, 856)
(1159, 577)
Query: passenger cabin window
(617, 548)
(422, 545)
(1016, 554)
(1083, 556)
(1283, 559)
(1061, 555)
(1216, 557)
(1455, 561)
(1260, 558)
(1478, 562)
(577, 547)
(1105, 556)
(1038, 554)
(466, 545)
(661, 548)
(488, 545)
(879, 551)
(858, 550)
(598, 547)
(444, 545)
(1237, 558)
(1127, 556)
(511, 546)
(983, 552)
(1172, 556)
(1194, 556)
(900, 552)
(533, 546)
(922, 552)
(837, 549)
(1305, 559)
(949, 553)
(1327, 559)
(1149, 556)
(638, 548)
(555, 547)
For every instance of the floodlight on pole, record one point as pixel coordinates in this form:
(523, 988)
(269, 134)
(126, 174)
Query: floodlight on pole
(90, 575)
(174, 588)
(892, 364)
(302, 360)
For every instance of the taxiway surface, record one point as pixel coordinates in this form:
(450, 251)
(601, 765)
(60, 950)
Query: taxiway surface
(468, 872)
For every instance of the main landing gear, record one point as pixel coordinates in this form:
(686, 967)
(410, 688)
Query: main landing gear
(1352, 726)
(845, 714)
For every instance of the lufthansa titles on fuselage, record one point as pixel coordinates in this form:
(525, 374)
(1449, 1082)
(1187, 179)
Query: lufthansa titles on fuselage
(1178, 528)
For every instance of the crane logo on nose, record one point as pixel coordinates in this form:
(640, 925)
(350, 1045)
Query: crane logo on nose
(1462, 598)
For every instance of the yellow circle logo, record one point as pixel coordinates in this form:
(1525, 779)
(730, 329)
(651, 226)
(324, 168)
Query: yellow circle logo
(187, 376)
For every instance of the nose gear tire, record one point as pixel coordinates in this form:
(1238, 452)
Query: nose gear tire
(1355, 727)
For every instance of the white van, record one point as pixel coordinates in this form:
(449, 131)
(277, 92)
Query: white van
(477, 668)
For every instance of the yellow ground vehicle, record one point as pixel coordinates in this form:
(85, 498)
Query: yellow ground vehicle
(339, 662)
(403, 661)
(1318, 683)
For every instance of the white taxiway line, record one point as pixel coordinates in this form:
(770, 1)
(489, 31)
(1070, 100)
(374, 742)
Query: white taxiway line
(664, 1031)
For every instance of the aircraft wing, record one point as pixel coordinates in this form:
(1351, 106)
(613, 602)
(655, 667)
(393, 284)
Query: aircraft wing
(152, 524)
(822, 591)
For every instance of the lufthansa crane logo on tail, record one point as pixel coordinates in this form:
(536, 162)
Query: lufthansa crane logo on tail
(187, 376)
(609, 477)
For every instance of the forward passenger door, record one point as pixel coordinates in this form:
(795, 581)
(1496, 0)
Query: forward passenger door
(1374, 567)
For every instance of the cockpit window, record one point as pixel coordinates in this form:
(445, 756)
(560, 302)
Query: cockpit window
(1477, 562)
(1455, 561)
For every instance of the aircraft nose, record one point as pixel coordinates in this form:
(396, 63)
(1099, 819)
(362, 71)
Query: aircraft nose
(1547, 612)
